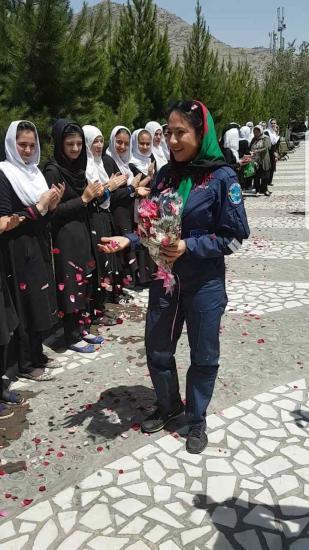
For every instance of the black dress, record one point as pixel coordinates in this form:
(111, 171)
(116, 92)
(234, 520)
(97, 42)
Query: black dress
(122, 209)
(28, 263)
(146, 266)
(106, 279)
(8, 317)
(73, 257)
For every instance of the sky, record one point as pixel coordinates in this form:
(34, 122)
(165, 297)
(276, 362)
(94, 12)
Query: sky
(240, 22)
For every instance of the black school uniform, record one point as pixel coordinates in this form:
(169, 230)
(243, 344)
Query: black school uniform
(28, 261)
(122, 209)
(73, 255)
(8, 317)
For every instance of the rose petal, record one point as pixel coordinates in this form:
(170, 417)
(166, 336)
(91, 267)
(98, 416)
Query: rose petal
(3, 514)
(59, 455)
(22, 286)
(60, 286)
(26, 501)
(42, 488)
(56, 251)
(100, 449)
(261, 341)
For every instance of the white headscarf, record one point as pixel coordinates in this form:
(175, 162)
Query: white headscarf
(123, 160)
(231, 141)
(27, 180)
(95, 170)
(160, 152)
(260, 128)
(250, 125)
(245, 133)
(140, 160)
(274, 138)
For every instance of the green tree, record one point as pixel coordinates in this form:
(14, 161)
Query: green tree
(202, 77)
(140, 57)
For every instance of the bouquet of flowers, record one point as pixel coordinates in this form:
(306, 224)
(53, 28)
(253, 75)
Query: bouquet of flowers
(159, 224)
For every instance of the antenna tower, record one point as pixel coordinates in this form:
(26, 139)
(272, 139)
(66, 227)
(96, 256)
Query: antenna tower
(281, 27)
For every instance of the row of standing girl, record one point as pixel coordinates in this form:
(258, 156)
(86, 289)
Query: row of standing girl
(258, 143)
(51, 223)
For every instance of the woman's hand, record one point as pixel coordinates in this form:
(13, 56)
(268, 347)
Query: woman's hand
(136, 181)
(116, 181)
(172, 252)
(57, 196)
(44, 201)
(151, 170)
(142, 192)
(7, 223)
(110, 245)
(92, 191)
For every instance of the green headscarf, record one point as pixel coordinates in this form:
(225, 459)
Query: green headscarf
(209, 157)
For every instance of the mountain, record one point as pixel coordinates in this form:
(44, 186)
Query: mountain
(179, 31)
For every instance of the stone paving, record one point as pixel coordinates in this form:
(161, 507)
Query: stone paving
(78, 474)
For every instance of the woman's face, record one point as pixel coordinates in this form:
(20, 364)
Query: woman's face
(257, 133)
(144, 143)
(72, 146)
(97, 146)
(157, 138)
(26, 144)
(122, 143)
(181, 138)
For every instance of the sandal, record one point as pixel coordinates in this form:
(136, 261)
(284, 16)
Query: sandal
(105, 321)
(91, 339)
(85, 349)
(12, 398)
(41, 378)
(51, 364)
(5, 412)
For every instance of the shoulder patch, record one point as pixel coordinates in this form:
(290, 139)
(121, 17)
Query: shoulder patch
(235, 194)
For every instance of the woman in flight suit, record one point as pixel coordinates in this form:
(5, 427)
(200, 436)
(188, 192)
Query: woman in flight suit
(214, 223)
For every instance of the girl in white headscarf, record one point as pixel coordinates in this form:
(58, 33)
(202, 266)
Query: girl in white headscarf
(245, 133)
(160, 150)
(106, 275)
(24, 191)
(142, 162)
(142, 152)
(271, 132)
(260, 146)
(116, 160)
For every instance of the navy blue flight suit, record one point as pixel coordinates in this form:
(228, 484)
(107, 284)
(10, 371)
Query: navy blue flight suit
(214, 223)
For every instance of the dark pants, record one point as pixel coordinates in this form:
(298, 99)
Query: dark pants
(72, 328)
(261, 180)
(202, 309)
(30, 351)
(2, 367)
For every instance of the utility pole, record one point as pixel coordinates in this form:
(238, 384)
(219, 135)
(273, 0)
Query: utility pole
(281, 28)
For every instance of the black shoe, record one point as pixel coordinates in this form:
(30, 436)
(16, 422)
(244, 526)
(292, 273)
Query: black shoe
(156, 421)
(197, 439)
(267, 193)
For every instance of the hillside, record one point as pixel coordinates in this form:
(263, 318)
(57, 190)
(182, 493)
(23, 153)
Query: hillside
(179, 31)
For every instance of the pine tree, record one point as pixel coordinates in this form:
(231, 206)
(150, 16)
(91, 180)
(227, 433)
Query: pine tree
(201, 76)
(140, 58)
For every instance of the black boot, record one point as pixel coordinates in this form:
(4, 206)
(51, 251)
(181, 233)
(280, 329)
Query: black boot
(158, 419)
(197, 439)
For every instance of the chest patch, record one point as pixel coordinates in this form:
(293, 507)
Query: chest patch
(235, 194)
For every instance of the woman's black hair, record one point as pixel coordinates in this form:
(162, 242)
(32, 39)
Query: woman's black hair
(123, 130)
(72, 129)
(191, 112)
(25, 126)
